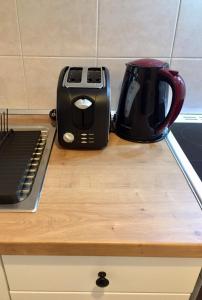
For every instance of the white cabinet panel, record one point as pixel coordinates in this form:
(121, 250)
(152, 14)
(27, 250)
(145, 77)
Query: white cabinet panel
(79, 274)
(95, 296)
(4, 295)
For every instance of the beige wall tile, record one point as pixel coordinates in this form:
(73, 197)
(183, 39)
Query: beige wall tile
(136, 28)
(188, 42)
(191, 71)
(42, 78)
(117, 68)
(65, 28)
(9, 33)
(58, 28)
(12, 85)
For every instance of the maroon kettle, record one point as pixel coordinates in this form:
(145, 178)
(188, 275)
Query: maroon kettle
(142, 110)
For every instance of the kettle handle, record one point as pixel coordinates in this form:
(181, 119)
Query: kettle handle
(177, 85)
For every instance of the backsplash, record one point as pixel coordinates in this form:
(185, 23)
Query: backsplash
(39, 37)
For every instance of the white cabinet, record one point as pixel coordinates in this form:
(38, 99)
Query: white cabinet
(4, 294)
(74, 278)
(95, 296)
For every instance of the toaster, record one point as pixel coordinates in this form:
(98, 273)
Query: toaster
(83, 107)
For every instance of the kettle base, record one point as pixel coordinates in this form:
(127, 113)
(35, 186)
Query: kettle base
(143, 140)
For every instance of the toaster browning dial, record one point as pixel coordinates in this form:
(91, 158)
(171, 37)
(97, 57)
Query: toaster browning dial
(68, 137)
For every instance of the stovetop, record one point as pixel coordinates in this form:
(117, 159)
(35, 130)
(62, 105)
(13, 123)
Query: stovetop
(185, 142)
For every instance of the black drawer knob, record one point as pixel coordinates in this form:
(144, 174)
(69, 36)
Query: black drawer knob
(102, 281)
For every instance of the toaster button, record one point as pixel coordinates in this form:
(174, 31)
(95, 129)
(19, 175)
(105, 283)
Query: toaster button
(83, 103)
(68, 137)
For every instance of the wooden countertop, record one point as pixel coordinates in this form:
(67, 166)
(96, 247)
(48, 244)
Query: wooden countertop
(129, 199)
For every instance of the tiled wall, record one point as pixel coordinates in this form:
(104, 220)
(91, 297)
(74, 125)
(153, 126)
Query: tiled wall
(39, 37)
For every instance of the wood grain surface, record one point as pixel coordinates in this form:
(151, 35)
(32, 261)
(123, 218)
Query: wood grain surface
(129, 199)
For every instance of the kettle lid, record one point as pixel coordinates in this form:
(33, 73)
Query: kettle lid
(147, 63)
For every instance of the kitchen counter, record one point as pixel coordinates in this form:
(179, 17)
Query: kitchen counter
(129, 199)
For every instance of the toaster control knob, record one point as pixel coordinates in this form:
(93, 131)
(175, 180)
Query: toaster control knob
(68, 137)
(83, 103)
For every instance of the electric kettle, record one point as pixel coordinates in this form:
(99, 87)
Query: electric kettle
(142, 110)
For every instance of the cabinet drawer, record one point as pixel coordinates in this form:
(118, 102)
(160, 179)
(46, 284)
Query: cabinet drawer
(95, 296)
(79, 274)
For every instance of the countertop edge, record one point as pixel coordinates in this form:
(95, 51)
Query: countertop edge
(103, 249)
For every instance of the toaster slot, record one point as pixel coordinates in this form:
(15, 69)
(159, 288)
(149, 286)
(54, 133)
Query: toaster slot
(83, 118)
(94, 75)
(74, 75)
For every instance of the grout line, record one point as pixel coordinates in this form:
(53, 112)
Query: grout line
(24, 76)
(186, 58)
(11, 55)
(134, 57)
(31, 111)
(53, 56)
(18, 28)
(93, 57)
(103, 57)
(175, 31)
(97, 30)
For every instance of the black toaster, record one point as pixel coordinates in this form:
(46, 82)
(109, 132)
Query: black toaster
(83, 107)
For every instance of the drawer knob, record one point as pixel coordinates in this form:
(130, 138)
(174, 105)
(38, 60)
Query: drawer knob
(102, 281)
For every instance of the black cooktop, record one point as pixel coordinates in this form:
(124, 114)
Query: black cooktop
(189, 137)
